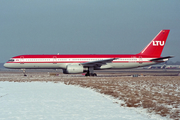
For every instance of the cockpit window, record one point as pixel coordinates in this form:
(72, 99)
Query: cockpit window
(11, 60)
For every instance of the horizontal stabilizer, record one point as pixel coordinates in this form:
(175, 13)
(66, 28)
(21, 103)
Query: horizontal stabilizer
(156, 59)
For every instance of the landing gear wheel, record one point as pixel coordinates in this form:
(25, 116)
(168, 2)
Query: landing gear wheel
(24, 72)
(91, 74)
(87, 74)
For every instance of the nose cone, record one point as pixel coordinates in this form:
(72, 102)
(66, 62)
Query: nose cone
(6, 65)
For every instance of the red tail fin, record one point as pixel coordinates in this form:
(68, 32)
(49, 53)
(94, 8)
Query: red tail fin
(155, 47)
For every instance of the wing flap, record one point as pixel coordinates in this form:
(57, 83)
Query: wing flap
(98, 62)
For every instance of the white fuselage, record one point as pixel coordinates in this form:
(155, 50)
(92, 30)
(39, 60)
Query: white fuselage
(61, 63)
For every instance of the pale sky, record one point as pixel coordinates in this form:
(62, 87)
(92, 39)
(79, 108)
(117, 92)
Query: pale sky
(86, 26)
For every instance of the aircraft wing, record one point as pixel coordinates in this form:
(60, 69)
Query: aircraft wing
(98, 62)
(161, 58)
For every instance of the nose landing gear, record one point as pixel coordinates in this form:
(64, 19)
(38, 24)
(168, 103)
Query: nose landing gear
(24, 72)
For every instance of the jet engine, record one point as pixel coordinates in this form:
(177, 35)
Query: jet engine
(73, 69)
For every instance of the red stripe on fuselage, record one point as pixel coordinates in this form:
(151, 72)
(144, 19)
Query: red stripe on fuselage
(82, 62)
(84, 56)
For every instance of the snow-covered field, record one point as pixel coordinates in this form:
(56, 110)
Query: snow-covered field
(55, 101)
(40, 96)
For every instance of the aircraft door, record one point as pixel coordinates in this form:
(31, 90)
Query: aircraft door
(140, 59)
(54, 60)
(22, 60)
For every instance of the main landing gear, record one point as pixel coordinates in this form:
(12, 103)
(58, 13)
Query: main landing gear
(90, 72)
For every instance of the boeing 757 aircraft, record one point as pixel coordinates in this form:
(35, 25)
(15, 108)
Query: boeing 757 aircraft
(73, 64)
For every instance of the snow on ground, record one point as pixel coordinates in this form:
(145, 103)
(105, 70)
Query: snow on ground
(55, 101)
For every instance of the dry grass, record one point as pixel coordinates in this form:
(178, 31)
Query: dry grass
(160, 94)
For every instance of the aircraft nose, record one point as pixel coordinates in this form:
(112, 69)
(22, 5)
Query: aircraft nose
(6, 65)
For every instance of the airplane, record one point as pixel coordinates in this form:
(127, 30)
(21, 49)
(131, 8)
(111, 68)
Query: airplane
(87, 63)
